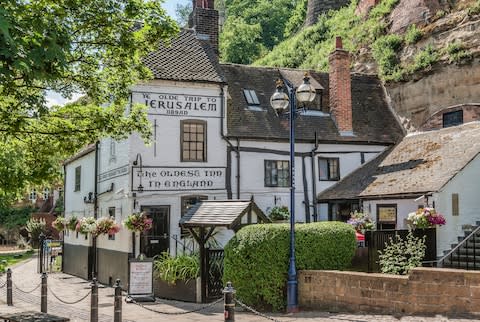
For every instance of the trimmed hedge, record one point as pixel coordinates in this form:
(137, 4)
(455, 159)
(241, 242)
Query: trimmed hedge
(256, 258)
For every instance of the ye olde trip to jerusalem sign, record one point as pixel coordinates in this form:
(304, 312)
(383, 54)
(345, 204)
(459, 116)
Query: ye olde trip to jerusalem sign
(179, 104)
(178, 178)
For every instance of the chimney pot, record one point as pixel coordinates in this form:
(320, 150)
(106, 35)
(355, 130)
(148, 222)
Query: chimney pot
(338, 43)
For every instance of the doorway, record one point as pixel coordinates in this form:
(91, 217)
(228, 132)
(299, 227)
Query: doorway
(156, 240)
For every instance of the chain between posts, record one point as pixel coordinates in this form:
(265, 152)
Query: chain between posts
(248, 308)
(66, 302)
(27, 292)
(3, 285)
(178, 313)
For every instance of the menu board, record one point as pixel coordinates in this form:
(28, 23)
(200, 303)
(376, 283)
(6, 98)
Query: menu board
(387, 214)
(140, 278)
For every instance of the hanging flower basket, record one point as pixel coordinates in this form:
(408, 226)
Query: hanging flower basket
(86, 225)
(71, 223)
(361, 222)
(59, 224)
(425, 218)
(138, 222)
(107, 226)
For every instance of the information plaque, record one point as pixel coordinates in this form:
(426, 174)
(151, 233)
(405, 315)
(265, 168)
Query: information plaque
(140, 280)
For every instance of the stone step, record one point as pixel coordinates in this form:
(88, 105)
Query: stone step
(461, 264)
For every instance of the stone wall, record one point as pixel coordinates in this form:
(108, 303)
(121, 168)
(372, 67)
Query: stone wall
(446, 86)
(317, 7)
(471, 113)
(425, 290)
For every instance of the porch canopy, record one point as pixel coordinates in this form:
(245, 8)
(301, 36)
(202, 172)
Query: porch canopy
(203, 217)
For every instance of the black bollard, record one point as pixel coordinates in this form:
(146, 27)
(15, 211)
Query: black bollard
(117, 307)
(94, 301)
(43, 297)
(9, 288)
(229, 303)
(41, 254)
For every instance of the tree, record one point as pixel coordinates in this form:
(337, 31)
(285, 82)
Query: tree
(93, 47)
(183, 12)
(240, 42)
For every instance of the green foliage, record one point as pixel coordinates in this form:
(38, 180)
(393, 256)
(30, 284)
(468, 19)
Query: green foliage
(297, 18)
(15, 217)
(35, 227)
(240, 41)
(457, 52)
(400, 256)
(10, 259)
(183, 12)
(425, 59)
(180, 268)
(257, 257)
(413, 35)
(91, 47)
(384, 51)
(279, 213)
(268, 19)
(474, 9)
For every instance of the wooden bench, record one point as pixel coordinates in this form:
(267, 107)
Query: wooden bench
(31, 316)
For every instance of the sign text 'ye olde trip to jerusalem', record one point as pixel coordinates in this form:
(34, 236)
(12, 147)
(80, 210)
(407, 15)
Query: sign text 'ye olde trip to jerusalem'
(179, 104)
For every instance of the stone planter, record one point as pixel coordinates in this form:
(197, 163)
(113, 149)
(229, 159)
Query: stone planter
(182, 291)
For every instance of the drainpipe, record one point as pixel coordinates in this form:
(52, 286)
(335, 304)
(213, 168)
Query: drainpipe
(64, 214)
(306, 202)
(95, 211)
(222, 134)
(314, 179)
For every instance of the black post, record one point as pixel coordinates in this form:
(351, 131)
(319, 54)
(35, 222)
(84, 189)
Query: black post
(229, 302)
(94, 301)
(43, 297)
(117, 307)
(9, 288)
(41, 239)
(203, 268)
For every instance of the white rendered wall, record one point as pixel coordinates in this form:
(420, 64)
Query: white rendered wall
(74, 203)
(467, 185)
(404, 207)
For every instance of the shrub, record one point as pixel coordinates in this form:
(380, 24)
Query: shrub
(35, 227)
(400, 256)
(384, 51)
(279, 213)
(257, 258)
(413, 35)
(425, 59)
(456, 52)
(180, 268)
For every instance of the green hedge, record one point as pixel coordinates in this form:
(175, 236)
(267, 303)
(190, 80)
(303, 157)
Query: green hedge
(256, 258)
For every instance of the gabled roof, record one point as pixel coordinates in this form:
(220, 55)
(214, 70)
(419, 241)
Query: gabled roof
(187, 58)
(221, 213)
(420, 163)
(373, 121)
(84, 151)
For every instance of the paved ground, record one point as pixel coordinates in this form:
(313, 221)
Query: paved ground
(26, 296)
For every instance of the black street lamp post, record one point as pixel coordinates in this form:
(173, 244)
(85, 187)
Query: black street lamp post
(280, 101)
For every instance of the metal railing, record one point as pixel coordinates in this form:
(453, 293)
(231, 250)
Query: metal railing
(454, 258)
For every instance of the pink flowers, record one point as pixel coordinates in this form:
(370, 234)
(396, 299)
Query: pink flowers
(138, 222)
(425, 218)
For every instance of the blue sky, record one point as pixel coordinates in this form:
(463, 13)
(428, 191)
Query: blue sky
(171, 5)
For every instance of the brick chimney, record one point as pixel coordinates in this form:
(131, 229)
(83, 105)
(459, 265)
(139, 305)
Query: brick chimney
(204, 19)
(340, 89)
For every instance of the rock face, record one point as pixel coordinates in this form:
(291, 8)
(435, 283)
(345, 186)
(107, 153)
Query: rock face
(317, 7)
(415, 101)
(409, 12)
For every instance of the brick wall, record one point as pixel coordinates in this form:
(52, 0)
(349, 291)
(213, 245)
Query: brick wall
(425, 290)
(471, 112)
(205, 22)
(340, 88)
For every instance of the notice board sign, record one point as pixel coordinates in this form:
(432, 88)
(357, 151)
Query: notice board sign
(140, 279)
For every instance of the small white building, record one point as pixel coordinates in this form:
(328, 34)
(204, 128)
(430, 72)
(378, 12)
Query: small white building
(438, 169)
(216, 137)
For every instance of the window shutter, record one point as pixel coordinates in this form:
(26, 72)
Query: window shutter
(455, 207)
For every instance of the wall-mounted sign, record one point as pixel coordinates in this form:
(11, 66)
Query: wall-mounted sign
(179, 104)
(140, 281)
(113, 173)
(387, 213)
(177, 178)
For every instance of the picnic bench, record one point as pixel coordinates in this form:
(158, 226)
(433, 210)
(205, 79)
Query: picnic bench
(31, 316)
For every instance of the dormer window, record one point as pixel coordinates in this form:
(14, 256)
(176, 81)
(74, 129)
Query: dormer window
(252, 100)
(453, 118)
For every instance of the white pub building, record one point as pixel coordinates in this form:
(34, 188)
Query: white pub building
(216, 137)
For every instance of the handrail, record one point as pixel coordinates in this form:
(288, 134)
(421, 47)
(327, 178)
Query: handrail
(441, 260)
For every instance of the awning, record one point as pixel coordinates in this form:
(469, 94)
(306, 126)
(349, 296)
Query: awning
(232, 214)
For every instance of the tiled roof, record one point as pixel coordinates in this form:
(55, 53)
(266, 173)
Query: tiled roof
(226, 213)
(185, 59)
(373, 121)
(420, 163)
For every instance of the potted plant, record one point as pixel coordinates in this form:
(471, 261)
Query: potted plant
(361, 222)
(86, 225)
(138, 222)
(59, 223)
(107, 226)
(425, 218)
(176, 277)
(279, 214)
(71, 223)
